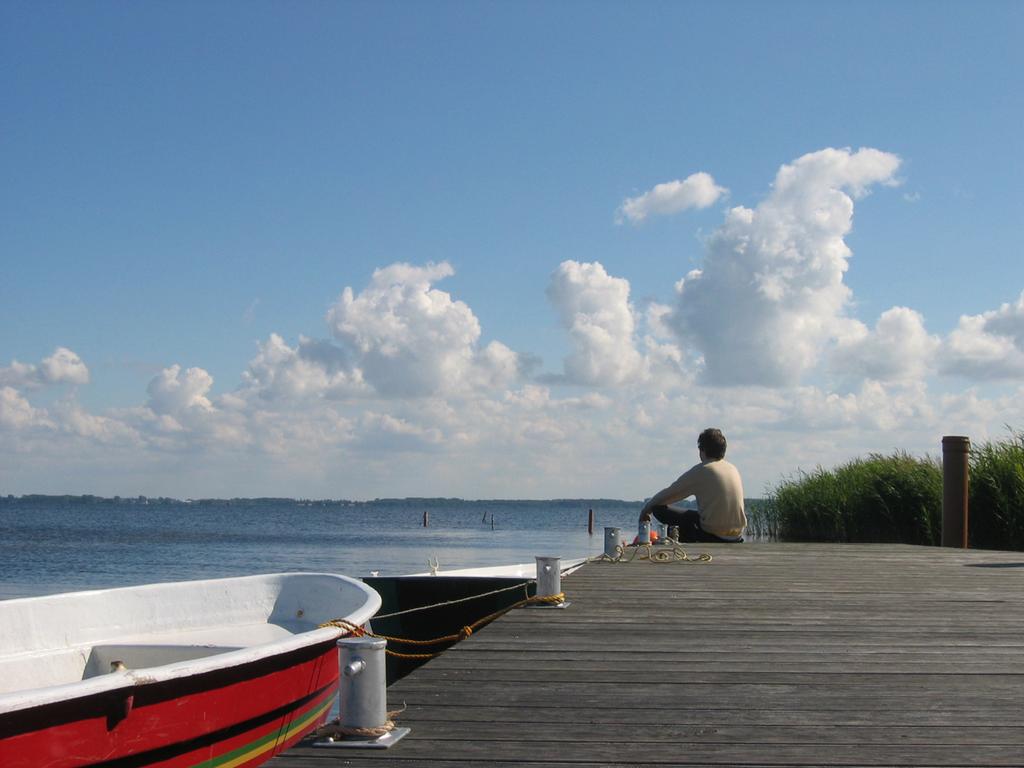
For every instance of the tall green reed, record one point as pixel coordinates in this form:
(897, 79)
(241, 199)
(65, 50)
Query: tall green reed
(898, 498)
(895, 498)
(996, 494)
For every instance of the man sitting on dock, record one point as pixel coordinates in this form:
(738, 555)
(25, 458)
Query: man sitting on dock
(719, 490)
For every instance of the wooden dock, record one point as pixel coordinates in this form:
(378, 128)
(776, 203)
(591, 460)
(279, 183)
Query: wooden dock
(770, 655)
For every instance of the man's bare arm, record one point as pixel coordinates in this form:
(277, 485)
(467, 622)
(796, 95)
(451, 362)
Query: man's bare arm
(678, 490)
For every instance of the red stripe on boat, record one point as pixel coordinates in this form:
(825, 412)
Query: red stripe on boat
(189, 721)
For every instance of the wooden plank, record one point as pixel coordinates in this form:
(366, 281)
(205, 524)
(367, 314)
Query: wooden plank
(654, 753)
(879, 715)
(772, 654)
(675, 734)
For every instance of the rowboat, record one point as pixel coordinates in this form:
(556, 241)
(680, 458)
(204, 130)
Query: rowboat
(223, 673)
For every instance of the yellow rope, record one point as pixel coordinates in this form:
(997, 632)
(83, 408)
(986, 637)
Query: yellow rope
(462, 634)
(334, 729)
(673, 554)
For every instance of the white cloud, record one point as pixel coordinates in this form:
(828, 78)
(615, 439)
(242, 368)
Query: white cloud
(595, 308)
(657, 316)
(770, 293)
(698, 190)
(385, 432)
(20, 375)
(16, 413)
(312, 369)
(496, 366)
(304, 437)
(175, 393)
(409, 339)
(77, 421)
(406, 375)
(1008, 321)
(987, 346)
(62, 367)
(898, 348)
(875, 406)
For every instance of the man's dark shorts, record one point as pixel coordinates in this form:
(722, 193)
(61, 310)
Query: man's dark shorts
(688, 521)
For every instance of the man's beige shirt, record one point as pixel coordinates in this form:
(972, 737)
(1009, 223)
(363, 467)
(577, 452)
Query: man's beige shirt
(719, 490)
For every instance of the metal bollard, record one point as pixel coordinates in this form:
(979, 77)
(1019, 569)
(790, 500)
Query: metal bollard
(549, 576)
(644, 535)
(362, 682)
(549, 580)
(612, 540)
(662, 530)
(362, 693)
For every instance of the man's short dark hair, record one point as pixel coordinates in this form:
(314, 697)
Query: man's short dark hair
(712, 442)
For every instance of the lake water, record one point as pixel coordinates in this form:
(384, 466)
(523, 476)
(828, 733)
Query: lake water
(57, 545)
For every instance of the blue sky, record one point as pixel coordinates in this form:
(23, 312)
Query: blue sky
(196, 184)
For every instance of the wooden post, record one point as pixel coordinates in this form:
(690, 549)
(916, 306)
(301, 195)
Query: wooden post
(955, 451)
(426, 518)
(590, 523)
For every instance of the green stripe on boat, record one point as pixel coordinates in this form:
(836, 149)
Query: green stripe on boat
(247, 752)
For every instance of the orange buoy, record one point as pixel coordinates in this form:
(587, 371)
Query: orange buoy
(654, 537)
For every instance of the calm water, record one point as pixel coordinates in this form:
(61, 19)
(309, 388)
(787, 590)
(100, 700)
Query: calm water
(55, 546)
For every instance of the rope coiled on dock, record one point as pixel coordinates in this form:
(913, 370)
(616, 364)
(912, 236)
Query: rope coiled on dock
(335, 730)
(672, 554)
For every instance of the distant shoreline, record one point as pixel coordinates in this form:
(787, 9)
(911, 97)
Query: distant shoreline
(422, 502)
(90, 499)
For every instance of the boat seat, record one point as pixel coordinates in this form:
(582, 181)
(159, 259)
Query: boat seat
(103, 659)
(234, 635)
(156, 649)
